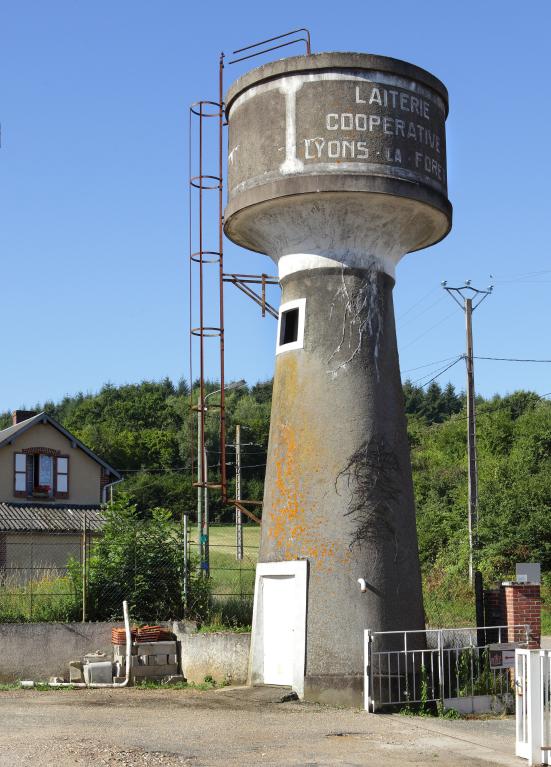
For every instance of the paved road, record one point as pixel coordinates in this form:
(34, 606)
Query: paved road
(230, 727)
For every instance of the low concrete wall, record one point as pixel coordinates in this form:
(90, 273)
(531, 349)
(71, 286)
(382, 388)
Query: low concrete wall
(223, 656)
(41, 650)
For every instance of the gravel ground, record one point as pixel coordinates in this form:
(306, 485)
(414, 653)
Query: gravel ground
(230, 727)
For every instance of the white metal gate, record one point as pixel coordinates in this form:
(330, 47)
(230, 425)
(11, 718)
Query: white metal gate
(435, 665)
(533, 705)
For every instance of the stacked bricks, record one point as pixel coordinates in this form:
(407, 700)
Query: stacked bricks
(521, 605)
(149, 660)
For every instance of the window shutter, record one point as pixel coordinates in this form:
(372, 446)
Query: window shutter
(30, 474)
(20, 483)
(62, 475)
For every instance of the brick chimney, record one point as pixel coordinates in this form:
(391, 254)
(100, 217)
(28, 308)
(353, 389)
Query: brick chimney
(22, 415)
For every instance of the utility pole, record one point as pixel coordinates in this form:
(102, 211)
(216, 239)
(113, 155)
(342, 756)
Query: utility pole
(471, 444)
(238, 515)
(469, 295)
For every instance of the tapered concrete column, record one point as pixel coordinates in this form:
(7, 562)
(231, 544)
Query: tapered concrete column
(338, 482)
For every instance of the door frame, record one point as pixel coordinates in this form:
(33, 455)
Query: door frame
(298, 570)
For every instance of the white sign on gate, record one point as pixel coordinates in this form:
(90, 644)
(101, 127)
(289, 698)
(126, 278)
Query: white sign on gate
(502, 655)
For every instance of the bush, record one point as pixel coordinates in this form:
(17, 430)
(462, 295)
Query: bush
(142, 561)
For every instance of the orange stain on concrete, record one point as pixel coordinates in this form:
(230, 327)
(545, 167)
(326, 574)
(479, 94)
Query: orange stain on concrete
(292, 521)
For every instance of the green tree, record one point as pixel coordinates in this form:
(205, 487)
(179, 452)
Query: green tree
(142, 561)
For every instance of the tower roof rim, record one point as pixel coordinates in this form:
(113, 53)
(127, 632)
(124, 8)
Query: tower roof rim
(331, 61)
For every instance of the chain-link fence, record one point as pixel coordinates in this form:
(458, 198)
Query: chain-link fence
(36, 582)
(231, 572)
(73, 575)
(61, 574)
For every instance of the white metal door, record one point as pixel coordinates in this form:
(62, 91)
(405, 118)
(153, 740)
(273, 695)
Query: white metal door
(279, 607)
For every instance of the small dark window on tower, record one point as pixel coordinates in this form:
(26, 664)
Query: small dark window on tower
(289, 327)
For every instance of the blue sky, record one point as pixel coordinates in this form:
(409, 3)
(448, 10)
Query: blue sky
(93, 185)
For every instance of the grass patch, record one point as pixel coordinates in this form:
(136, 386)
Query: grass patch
(448, 601)
(148, 684)
(50, 598)
(231, 577)
(435, 710)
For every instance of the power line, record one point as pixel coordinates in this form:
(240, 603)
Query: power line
(509, 359)
(461, 357)
(428, 365)
(420, 301)
(422, 335)
(520, 277)
(434, 372)
(153, 471)
(424, 310)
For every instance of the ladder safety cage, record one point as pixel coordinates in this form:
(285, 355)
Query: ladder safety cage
(204, 180)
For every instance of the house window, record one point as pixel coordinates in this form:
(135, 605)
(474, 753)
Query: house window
(290, 332)
(43, 475)
(39, 474)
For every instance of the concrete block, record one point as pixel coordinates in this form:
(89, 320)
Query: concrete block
(98, 673)
(224, 656)
(75, 671)
(149, 672)
(119, 651)
(156, 648)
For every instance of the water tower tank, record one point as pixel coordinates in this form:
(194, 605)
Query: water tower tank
(337, 169)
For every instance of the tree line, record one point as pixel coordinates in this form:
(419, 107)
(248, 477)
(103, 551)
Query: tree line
(145, 430)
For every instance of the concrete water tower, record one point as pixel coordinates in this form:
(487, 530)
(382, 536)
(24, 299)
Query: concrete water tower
(336, 169)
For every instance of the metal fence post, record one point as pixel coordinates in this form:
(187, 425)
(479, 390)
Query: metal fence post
(31, 580)
(369, 704)
(533, 705)
(186, 585)
(441, 667)
(545, 703)
(84, 569)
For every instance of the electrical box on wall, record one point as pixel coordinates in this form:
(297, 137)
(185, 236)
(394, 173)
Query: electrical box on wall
(528, 572)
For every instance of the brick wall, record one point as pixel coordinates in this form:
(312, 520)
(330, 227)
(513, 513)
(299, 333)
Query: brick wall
(521, 604)
(515, 604)
(21, 415)
(105, 479)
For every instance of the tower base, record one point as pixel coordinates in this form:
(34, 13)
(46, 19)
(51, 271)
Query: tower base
(335, 689)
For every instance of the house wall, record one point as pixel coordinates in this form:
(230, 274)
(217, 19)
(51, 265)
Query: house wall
(35, 556)
(84, 472)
